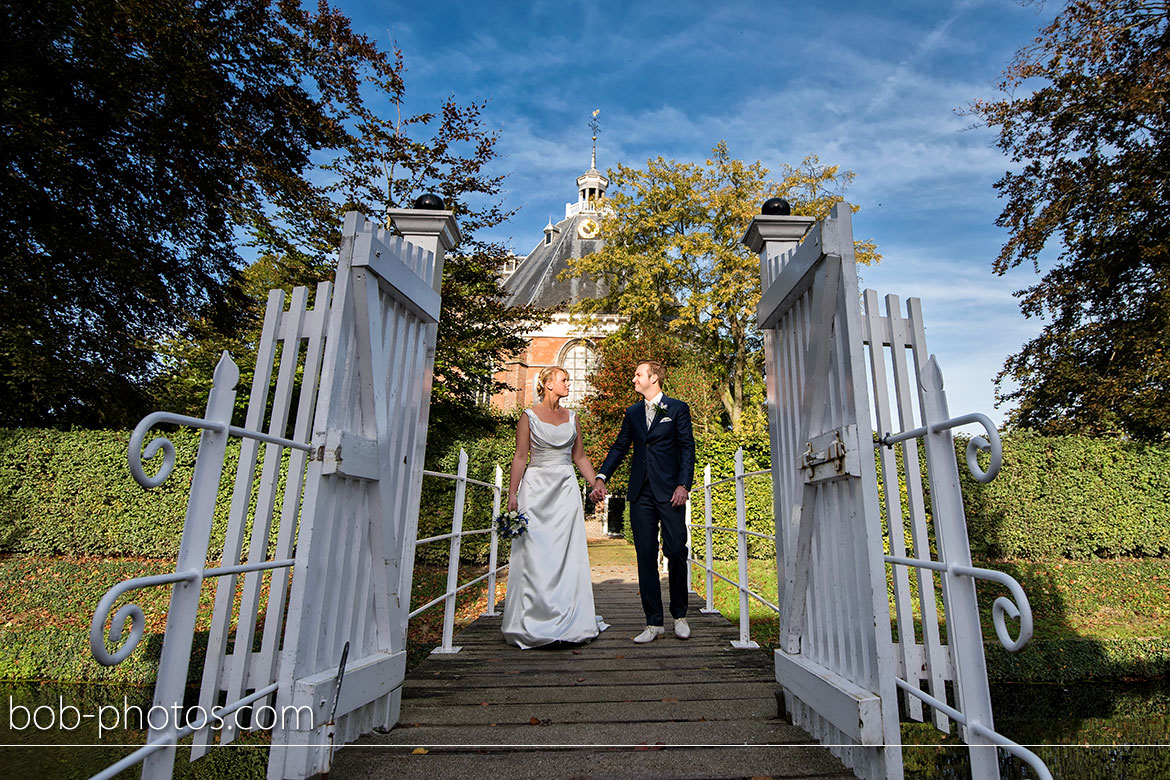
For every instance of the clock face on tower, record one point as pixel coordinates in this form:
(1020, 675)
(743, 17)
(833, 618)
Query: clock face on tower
(588, 228)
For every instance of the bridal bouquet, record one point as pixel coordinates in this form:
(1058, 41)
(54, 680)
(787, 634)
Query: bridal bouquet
(511, 524)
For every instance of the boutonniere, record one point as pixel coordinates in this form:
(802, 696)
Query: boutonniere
(659, 408)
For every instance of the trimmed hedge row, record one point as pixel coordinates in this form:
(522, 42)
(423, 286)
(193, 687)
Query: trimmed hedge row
(1071, 497)
(71, 493)
(1056, 497)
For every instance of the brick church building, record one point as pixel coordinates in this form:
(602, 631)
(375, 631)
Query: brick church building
(536, 281)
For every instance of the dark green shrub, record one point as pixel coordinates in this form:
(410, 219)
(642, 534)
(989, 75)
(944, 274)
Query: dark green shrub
(1071, 497)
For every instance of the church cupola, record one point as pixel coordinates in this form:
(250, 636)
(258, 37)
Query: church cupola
(590, 185)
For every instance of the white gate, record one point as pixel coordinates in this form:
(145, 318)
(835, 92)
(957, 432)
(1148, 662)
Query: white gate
(835, 665)
(343, 563)
(836, 660)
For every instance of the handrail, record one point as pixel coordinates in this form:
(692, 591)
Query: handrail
(170, 738)
(455, 537)
(136, 451)
(441, 537)
(1017, 750)
(742, 589)
(456, 477)
(974, 446)
(1021, 608)
(741, 534)
(732, 530)
(740, 476)
(464, 586)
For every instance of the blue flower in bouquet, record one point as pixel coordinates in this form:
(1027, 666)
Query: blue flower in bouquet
(511, 524)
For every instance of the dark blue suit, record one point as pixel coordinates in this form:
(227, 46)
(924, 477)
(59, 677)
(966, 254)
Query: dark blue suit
(663, 459)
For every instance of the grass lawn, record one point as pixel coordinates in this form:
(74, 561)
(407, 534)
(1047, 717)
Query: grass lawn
(1110, 617)
(46, 605)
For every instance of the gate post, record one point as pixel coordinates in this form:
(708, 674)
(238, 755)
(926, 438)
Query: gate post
(772, 235)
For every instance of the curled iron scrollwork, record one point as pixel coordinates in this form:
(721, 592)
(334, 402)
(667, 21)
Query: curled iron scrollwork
(137, 451)
(1019, 608)
(127, 614)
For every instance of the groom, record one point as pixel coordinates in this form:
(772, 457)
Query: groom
(661, 474)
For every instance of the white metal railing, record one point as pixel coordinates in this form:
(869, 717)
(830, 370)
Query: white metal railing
(741, 549)
(456, 537)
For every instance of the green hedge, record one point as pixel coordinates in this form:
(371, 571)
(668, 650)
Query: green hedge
(1071, 497)
(437, 506)
(71, 493)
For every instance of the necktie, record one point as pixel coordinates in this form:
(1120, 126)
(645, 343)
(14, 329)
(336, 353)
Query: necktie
(649, 414)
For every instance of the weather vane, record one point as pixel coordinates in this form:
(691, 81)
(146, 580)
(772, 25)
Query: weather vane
(595, 127)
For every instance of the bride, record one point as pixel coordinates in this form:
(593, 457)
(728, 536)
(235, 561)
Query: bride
(550, 594)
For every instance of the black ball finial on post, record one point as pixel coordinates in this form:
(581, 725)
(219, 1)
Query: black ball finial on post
(429, 202)
(776, 207)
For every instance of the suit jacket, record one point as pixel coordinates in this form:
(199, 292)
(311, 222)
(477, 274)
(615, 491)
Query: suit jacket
(664, 454)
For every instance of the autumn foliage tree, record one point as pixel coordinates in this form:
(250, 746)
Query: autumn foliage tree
(674, 263)
(687, 378)
(1084, 121)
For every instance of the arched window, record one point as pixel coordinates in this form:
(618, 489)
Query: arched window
(579, 358)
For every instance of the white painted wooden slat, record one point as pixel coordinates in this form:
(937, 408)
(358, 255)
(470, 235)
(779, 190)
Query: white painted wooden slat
(906, 391)
(950, 528)
(878, 331)
(237, 517)
(290, 509)
(184, 604)
(265, 507)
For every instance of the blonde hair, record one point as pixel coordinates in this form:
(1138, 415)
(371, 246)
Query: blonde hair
(543, 378)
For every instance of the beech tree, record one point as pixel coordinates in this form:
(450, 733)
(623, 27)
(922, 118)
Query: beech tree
(140, 139)
(674, 263)
(146, 145)
(1084, 121)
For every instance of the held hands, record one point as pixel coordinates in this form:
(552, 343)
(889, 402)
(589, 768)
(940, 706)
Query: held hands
(598, 490)
(513, 504)
(680, 496)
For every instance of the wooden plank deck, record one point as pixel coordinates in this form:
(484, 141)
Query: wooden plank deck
(606, 709)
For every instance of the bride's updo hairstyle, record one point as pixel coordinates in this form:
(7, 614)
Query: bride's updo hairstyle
(543, 378)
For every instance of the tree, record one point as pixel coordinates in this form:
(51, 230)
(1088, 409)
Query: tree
(140, 139)
(387, 164)
(687, 378)
(674, 263)
(1091, 143)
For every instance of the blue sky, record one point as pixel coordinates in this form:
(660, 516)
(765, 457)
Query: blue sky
(872, 87)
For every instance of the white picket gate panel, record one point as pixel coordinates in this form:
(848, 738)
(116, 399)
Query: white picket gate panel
(337, 545)
(238, 676)
(922, 658)
(837, 662)
(355, 548)
(836, 668)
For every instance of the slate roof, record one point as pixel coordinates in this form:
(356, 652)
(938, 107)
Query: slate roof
(535, 280)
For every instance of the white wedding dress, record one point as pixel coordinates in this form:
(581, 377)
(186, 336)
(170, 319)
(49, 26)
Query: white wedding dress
(550, 593)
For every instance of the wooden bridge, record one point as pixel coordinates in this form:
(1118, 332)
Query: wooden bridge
(609, 708)
(337, 543)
